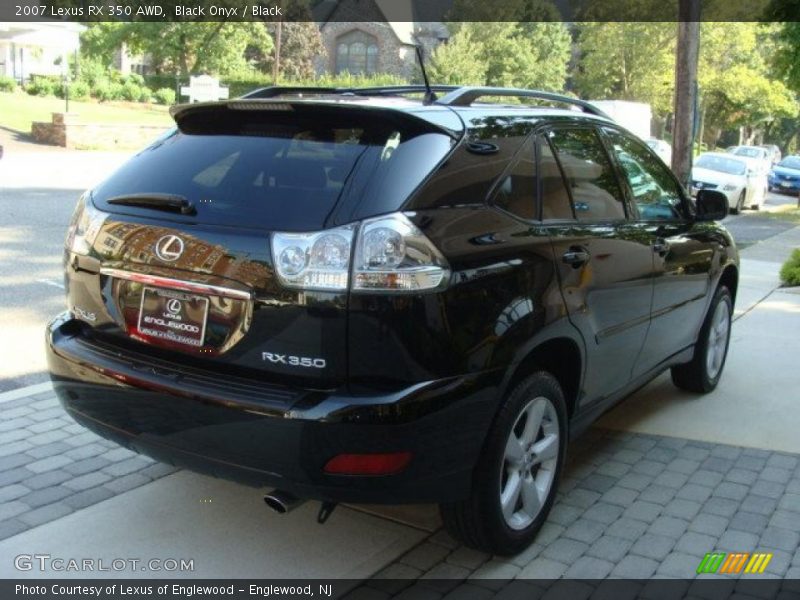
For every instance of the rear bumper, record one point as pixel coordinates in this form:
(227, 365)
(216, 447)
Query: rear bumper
(782, 185)
(276, 437)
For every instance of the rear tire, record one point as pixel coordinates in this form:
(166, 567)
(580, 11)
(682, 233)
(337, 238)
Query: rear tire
(515, 480)
(703, 372)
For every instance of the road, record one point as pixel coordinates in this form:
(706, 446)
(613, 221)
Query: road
(32, 226)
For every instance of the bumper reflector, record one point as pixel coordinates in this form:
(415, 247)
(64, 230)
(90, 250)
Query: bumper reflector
(368, 464)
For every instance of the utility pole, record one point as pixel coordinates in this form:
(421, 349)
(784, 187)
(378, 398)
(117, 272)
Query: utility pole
(685, 104)
(276, 64)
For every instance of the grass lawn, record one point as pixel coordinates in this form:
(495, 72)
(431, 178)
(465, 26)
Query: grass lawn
(786, 213)
(18, 110)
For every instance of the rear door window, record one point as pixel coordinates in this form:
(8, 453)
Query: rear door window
(595, 191)
(279, 170)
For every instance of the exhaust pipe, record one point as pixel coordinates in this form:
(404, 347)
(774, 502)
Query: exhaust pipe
(282, 502)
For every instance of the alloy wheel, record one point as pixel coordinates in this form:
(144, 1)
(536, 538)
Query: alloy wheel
(529, 463)
(718, 334)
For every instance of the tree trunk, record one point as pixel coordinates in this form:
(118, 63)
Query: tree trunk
(276, 64)
(685, 89)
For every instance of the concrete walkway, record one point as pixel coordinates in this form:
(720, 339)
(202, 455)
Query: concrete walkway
(665, 478)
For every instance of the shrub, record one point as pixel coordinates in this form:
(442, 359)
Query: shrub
(133, 78)
(132, 92)
(164, 96)
(94, 72)
(108, 91)
(790, 271)
(41, 87)
(79, 90)
(7, 84)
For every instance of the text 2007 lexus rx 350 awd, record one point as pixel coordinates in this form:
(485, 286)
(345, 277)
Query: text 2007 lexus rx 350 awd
(368, 297)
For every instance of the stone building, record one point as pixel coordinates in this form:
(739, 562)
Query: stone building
(376, 36)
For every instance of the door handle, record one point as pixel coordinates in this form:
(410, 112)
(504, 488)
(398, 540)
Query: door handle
(575, 257)
(661, 246)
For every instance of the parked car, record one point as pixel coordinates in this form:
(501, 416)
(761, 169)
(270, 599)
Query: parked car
(366, 297)
(785, 176)
(661, 148)
(758, 158)
(774, 153)
(731, 175)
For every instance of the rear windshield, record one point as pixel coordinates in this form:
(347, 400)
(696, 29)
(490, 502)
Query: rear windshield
(721, 164)
(281, 171)
(750, 152)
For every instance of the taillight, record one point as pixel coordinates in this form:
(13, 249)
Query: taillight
(83, 227)
(313, 261)
(391, 255)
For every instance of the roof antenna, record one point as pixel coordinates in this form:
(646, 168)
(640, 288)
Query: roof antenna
(430, 97)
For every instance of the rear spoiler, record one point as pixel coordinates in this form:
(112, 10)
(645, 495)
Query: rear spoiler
(192, 118)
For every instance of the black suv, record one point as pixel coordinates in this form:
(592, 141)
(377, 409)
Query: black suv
(361, 296)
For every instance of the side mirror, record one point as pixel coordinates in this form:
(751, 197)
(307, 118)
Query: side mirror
(711, 205)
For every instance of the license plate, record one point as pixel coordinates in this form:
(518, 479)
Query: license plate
(173, 316)
(786, 184)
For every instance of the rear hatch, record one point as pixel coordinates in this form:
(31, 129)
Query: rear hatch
(178, 257)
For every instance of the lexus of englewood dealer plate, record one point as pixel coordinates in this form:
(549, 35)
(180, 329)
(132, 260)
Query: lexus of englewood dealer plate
(377, 295)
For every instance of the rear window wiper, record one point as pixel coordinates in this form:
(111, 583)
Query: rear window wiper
(169, 202)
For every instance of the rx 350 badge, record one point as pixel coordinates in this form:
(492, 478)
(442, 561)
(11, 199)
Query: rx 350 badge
(304, 362)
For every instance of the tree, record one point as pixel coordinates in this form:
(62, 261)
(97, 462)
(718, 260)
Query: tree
(530, 55)
(301, 48)
(737, 86)
(180, 47)
(627, 61)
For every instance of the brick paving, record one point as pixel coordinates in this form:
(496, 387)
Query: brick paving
(630, 506)
(50, 466)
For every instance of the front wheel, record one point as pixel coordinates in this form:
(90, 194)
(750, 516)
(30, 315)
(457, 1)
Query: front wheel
(703, 372)
(735, 210)
(515, 480)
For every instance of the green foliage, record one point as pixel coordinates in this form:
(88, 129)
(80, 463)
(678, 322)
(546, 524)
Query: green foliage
(108, 91)
(790, 271)
(736, 84)
(164, 96)
(454, 63)
(301, 46)
(531, 55)
(182, 47)
(132, 92)
(7, 84)
(94, 72)
(42, 86)
(627, 61)
(79, 90)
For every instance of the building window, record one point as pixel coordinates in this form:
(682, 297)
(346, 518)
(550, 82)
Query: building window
(357, 52)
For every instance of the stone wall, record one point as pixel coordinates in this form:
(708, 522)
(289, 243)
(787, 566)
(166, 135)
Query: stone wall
(67, 131)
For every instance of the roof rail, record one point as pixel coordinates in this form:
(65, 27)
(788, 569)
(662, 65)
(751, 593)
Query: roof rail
(398, 90)
(465, 96)
(388, 90)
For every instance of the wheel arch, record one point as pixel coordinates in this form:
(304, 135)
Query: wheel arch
(730, 279)
(562, 357)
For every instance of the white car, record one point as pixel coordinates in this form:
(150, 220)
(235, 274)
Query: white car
(757, 157)
(731, 175)
(662, 148)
